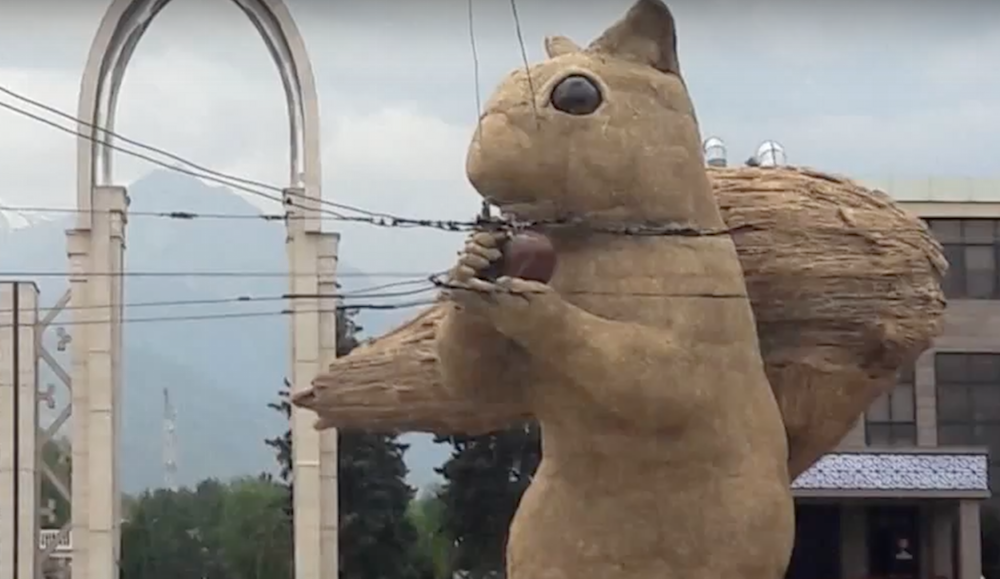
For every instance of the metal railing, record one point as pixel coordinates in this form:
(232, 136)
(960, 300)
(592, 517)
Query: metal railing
(48, 536)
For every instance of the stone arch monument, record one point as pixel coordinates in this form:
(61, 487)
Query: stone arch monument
(97, 245)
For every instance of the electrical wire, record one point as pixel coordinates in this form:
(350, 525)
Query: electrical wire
(180, 215)
(386, 219)
(239, 315)
(450, 226)
(368, 217)
(141, 156)
(475, 66)
(245, 299)
(209, 274)
(524, 58)
(209, 174)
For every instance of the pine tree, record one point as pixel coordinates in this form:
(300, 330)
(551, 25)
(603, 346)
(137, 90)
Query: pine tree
(484, 481)
(376, 538)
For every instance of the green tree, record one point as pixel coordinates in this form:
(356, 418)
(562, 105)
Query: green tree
(376, 538)
(484, 481)
(215, 531)
(434, 550)
(165, 537)
(255, 535)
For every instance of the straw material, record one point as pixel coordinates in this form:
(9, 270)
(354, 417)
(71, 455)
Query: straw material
(679, 382)
(845, 288)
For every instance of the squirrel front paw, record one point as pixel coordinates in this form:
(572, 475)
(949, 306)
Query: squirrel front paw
(524, 308)
(512, 305)
(469, 284)
(481, 257)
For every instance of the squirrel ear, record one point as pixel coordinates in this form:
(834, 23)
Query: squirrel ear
(559, 45)
(646, 34)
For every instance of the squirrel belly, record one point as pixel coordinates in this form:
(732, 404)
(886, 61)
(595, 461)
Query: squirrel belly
(651, 463)
(582, 530)
(664, 452)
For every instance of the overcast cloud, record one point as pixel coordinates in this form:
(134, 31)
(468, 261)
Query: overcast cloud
(863, 88)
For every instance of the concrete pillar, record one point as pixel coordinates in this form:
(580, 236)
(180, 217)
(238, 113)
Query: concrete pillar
(104, 379)
(327, 265)
(118, 200)
(20, 483)
(78, 250)
(853, 541)
(942, 532)
(311, 524)
(925, 540)
(925, 400)
(8, 468)
(970, 563)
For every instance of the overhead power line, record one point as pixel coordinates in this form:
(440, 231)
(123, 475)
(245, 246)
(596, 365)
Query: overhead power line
(248, 185)
(216, 274)
(368, 217)
(249, 299)
(239, 315)
(375, 218)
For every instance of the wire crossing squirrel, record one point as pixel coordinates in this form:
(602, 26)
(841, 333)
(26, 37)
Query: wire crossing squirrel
(664, 450)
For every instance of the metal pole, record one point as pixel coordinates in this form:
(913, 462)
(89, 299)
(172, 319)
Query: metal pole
(16, 371)
(8, 412)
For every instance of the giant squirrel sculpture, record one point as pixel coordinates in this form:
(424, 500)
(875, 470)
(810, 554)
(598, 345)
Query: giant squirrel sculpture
(665, 430)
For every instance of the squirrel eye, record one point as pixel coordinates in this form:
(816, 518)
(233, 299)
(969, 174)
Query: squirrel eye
(576, 95)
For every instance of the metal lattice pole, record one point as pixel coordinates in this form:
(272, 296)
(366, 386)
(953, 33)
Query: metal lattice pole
(169, 442)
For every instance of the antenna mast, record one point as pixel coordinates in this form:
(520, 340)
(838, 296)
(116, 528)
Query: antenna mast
(169, 442)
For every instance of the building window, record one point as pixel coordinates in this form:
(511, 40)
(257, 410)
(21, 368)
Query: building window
(968, 402)
(971, 248)
(891, 420)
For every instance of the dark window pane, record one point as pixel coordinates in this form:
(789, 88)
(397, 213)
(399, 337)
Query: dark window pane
(879, 410)
(980, 258)
(955, 435)
(951, 368)
(985, 402)
(901, 404)
(995, 478)
(906, 375)
(946, 230)
(978, 230)
(904, 434)
(954, 281)
(953, 403)
(879, 434)
(989, 435)
(980, 285)
(983, 368)
(980, 271)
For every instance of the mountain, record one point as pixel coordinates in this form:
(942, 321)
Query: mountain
(221, 373)
(11, 220)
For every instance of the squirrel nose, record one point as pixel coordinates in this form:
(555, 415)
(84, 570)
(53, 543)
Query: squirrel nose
(576, 95)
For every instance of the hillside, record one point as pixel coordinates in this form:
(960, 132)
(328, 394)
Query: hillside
(221, 373)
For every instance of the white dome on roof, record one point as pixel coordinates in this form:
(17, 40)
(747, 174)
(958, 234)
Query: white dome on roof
(715, 152)
(771, 154)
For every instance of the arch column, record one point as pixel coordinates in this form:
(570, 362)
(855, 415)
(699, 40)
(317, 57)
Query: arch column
(20, 481)
(96, 246)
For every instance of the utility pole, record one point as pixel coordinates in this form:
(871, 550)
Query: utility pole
(169, 443)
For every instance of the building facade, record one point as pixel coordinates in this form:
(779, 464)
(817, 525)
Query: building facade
(907, 493)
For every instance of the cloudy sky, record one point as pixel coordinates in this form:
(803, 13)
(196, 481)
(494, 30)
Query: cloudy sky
(864, 88)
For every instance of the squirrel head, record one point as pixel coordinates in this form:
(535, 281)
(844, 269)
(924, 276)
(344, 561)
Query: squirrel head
(606, 133)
